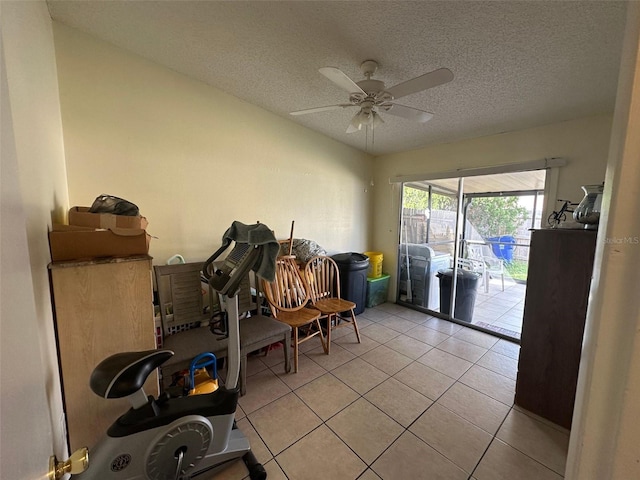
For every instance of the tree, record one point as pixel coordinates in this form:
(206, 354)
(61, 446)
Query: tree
(419, 200)
(444, 202)
(496, 216)
(414, 198)
(491, 216)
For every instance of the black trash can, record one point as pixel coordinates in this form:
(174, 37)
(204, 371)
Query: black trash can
(353, 278)
(466, 291)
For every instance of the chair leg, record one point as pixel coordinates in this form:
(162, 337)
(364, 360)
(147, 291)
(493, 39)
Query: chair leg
(355, 325)
(327, 341)
(287, 352)
(323, 339)
(295, 349)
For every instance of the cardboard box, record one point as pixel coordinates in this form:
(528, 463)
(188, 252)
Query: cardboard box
(71, 242)
(81, 217)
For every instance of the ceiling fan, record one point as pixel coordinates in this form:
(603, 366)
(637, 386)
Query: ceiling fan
(372, 97)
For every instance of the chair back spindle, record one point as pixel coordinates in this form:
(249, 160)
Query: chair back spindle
(288, 296)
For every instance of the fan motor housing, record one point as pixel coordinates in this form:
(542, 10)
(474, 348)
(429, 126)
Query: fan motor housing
(372, 87)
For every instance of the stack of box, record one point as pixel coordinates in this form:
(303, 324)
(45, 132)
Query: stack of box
(95, 235)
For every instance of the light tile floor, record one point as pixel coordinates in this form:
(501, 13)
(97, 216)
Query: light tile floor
(419, 398)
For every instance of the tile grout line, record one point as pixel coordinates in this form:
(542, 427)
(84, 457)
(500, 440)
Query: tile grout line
(324, 423)
(495, 436)
(514, 447)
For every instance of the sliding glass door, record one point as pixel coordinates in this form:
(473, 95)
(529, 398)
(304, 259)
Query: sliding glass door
(427, 242)
(463, 247)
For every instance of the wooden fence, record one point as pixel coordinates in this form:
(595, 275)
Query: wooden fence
(442, 225)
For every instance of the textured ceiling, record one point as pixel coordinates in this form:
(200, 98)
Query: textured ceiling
(516, 64)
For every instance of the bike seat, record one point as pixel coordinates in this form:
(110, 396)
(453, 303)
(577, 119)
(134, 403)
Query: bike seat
(123, 374)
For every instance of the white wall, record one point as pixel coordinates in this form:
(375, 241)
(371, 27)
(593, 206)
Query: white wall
(605, 438)
(583, 143)
(34, 190)
(194, 158)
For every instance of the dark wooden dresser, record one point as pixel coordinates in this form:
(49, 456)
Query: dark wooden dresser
(560, 269)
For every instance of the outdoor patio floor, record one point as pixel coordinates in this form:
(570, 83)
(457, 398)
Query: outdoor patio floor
(499, 310)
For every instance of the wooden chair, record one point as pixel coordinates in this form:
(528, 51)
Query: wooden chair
(182, 311)
(288, 296)
(323, 278)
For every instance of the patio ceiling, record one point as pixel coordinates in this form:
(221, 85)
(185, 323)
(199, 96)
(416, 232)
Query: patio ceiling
(496, 183)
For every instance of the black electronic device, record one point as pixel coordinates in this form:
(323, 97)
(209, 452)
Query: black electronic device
(225, 276)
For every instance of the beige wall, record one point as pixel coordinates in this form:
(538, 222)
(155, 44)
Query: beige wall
(194, 158)
(34, 190)
(583, 143)
(605, 437)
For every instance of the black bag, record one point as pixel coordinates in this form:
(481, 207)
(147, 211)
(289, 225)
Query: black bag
(115, 205)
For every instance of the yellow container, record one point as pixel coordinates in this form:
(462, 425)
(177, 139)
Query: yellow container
(375, 264)
(203, 383)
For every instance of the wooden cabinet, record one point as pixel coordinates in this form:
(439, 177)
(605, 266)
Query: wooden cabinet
(101, 307)
(560, 269)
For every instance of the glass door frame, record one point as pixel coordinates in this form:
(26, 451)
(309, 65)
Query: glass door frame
(457, 240)
(458, 247)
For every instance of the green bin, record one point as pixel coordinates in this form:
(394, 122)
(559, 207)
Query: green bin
(377, 289)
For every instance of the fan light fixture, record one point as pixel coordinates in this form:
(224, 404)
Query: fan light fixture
(365, 118)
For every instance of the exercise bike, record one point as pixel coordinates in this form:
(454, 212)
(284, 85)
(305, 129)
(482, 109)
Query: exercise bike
(181, 438)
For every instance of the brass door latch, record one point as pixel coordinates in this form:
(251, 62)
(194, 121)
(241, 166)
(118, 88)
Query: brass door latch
(77, 463)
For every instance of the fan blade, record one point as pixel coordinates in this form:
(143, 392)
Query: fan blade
(321, 109)
(338, 77)
(410, 113)
(423, 82)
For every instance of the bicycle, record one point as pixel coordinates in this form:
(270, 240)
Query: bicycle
(561, 215)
